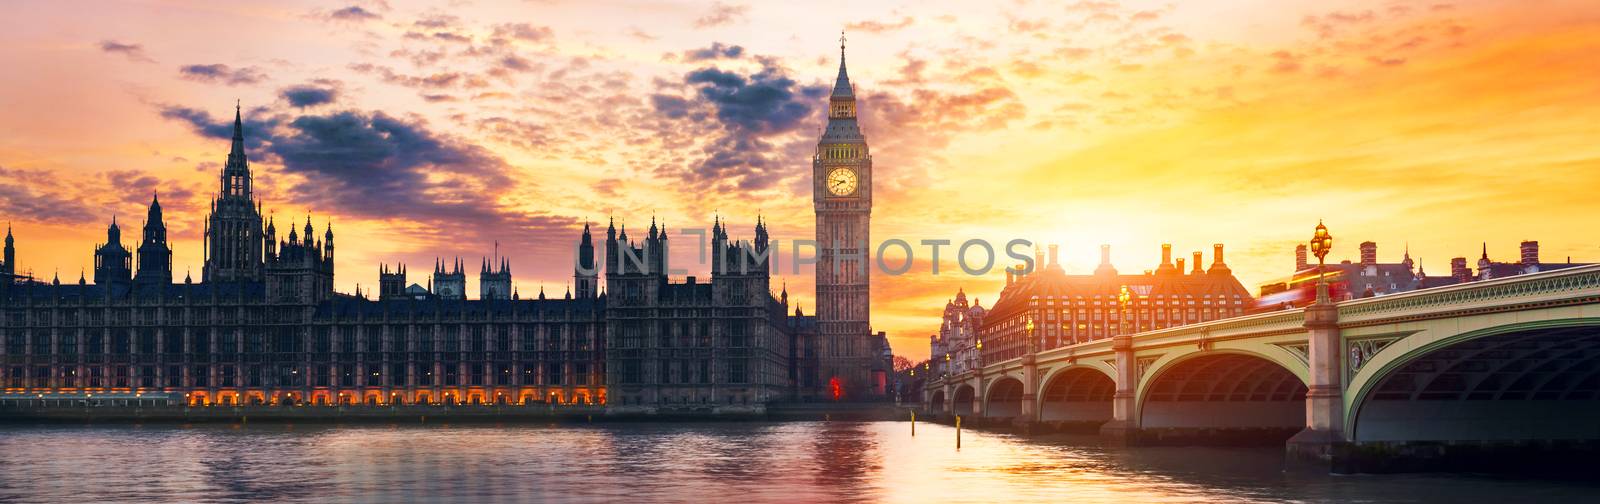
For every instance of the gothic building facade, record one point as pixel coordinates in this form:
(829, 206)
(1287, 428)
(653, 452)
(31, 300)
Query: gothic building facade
(842, 200)
(264, 324)
(692, 346)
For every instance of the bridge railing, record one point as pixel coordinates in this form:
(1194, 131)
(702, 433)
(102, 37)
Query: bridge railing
(1541, 288)
(1558, 286)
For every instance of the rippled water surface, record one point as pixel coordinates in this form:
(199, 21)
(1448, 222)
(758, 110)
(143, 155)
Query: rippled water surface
(709, 462)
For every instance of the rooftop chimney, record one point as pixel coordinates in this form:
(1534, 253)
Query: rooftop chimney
(1197, 269)
(1369, 253)
(1053, 255)
(1166, 259)
(1217, 264)
(1530, 253)
(1180, 266)
(1105, 267)
(1458, 269)
(1300, 263)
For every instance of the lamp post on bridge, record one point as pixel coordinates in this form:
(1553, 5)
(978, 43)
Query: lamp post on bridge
(1030, 372)
(1122, 318)
(1321, 243)
(1324, 434)
(1123, 428)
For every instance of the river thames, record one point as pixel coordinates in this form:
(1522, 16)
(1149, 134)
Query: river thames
(747, 462)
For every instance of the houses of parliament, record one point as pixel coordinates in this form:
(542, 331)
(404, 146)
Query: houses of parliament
(263, 324)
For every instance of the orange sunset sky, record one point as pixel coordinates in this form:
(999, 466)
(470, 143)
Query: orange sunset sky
(438, 128)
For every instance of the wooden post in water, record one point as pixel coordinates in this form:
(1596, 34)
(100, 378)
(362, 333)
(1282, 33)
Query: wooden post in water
(958, 432)
(913, 423)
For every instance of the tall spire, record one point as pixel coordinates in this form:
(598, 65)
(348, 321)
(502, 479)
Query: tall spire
(238, 132)
(236, 174)
(841, 85)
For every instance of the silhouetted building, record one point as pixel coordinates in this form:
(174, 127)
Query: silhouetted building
(1528, 262)
(265, 325)
(450, 284)
(391, 282)
(155, 256)
(842, 199)
(113, 262)
(718, 346)
(234, 235)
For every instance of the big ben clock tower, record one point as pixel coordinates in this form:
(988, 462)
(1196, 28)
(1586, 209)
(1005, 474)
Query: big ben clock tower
(841, 191)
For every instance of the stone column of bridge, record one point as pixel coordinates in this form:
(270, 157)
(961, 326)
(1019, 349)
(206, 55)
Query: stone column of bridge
(949, 397)
(1324, 431)
(1030, 379)
(1124, 424)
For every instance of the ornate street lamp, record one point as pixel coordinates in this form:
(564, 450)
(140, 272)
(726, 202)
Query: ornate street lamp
(1123, 298)
(1029, 327)
(1321, 243)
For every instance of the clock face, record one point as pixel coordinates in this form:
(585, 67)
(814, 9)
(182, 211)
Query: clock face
(842, 182)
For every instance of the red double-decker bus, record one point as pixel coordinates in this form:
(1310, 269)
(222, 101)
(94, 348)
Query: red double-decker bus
(1299, 290)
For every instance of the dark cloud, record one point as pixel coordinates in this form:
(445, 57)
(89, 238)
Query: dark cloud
(438, 35)
(310, 95)
(257, 124)
(379, 167)
(134, 52)
(717, 50)
(354, 13)
(135, 188)
(753, 121)
(369, 165)
(672, 107)
(722, 14)
(516, 63)
(37, 195)
(223, 74)
(763, 103)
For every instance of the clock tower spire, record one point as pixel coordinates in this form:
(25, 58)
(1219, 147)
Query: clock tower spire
(842, 198)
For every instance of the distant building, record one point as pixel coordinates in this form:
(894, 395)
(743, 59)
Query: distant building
(1067, 309)
(1368, 277)
(1528, 262)
(954, 349)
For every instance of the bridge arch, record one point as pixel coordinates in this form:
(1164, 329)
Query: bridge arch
(936, 403)
(1004, 398)
(1530, 380)
(964, 399)
(1208, 392)
(1077, 394)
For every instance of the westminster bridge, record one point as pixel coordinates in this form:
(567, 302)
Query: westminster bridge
(1450, 377)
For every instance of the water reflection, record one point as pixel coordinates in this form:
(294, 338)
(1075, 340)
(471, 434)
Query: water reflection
(748, 462)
